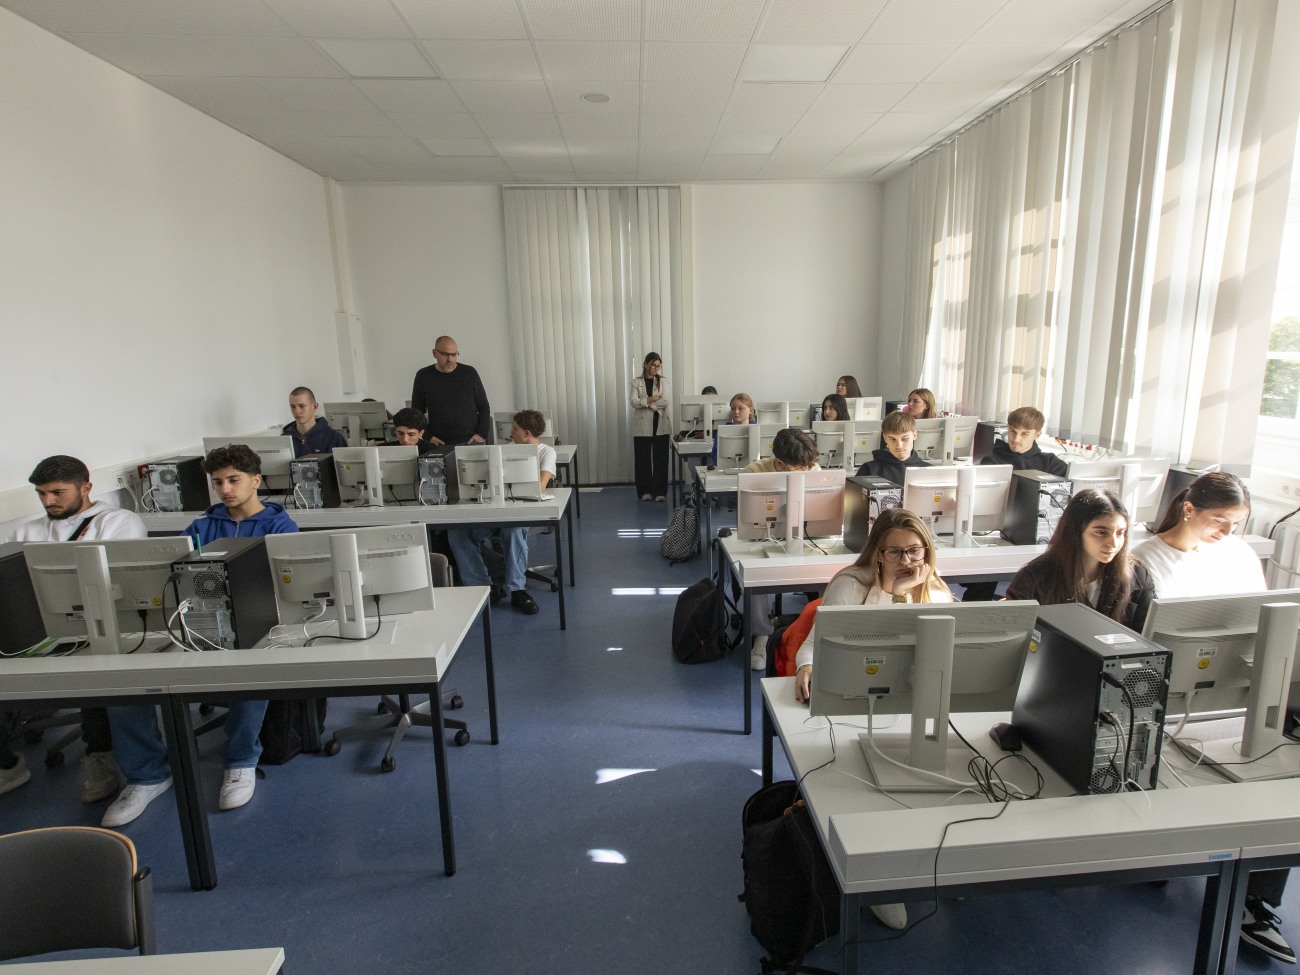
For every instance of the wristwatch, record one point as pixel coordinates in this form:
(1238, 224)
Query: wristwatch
(897, 598)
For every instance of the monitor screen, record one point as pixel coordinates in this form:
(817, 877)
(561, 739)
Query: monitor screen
(696, 414)
(772, 413)
(823, 502)
(761, 506)
(800, 417)
(379, 474)
(930, 493)
(372, 421)
(502, 424)
(862, 439)
(765, 434)
(1137, 481)
(478, 470)
(829, 435)
(737, 444)
(866, 408)
(275, 453)
(958, 500)
(929, 438)
(521, 471)
(959, 436)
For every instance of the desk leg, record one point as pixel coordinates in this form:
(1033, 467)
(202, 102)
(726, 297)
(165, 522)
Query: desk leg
(440, 774)
(850, 933)
(769, 732)
(577, 489)
(491, 672)
(573, 563)
(746, 641)
(183, 755)
(677, 479)
(1228, 924)
(708, 529)
(559, 567)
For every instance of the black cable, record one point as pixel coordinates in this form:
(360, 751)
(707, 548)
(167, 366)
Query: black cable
(171, 581)
(379, 625)
(1278, 524)
(1132, 707)
(988, 779)
(144, 629)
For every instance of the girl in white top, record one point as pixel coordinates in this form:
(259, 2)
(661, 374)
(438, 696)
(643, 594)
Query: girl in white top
(897, 565)
(1194, 551)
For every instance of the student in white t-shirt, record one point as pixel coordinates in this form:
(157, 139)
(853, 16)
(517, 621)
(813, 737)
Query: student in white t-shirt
(1195, 553)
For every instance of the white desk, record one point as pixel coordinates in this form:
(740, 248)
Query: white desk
(566, 464)
(411, 655)
(882, 853)
(502, 514)
(684, 451)
(249, 961)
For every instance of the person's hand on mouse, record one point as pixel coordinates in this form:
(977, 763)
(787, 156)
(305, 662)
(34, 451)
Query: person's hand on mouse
(803, 683)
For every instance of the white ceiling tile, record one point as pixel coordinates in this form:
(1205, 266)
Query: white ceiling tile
(935, 21)
(896, 131)
(869, 64)
(571, 60)
(825, 143)
(412, 96)
(791, 62)
(995, 62)
(538, 164)
(751, 97)
(218, 96)
(475, 20)
(624, 97)
(530, 147)
(437, 125)
(227, 17)
(317, 94)
(380, 148)
(593, 20)
(370, 123)
(366, 58)
(426, 169)
(458, 147)
(775, 124)
(485, 60)
(732, 167)
(790, 164)
(675, 146)
(210, 56)
(605, 165)
(474, 166)
(599, 126)
(860, 98)
(602, 148)
(835, 124)
(341, 18)
(91, 16)
(743, 145)
(693, 62)
(953, 97)
(851, 167)
(818, 21)
(669, 167)
(503, 96)
(1034, 20)
(691, 20)
(272, 126)
(684, 97)
(519, 126)
(679, 126)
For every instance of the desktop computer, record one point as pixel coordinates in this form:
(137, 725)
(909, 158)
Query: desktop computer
(1092, 700)
(315, 481)
(438, 482)
(176, 484)
(865, 497)
(1179, 478)
(20, 614)
(230, 592)
(1034, 507)
(986, 434)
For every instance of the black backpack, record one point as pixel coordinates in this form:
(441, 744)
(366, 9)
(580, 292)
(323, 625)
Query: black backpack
(290, 728)
(790, 891)
(700, 624)
(680, 541)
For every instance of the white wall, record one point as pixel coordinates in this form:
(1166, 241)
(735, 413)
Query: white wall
(889, 377)
(163, 276)
(786, 276)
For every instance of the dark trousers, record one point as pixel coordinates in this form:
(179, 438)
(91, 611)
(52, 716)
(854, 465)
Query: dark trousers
(650, 457)
(94, 732)
(1267, 885)
(8, 721)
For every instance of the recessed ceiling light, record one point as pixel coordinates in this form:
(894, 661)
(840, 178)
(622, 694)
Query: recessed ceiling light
(595, 97)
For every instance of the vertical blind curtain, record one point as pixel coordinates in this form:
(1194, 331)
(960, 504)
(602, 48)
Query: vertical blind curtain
(594, 275)
(1083, 247)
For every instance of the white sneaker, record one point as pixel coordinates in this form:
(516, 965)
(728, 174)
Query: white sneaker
(237, 787)
(99, 776)
(12, 778)
(758, 653)
(132, 802)
(891, 915)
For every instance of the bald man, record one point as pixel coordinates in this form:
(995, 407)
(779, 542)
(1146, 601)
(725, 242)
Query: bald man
(451, 395)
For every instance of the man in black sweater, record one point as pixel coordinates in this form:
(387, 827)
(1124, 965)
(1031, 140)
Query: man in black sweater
(1020, 449)
(451, 395)
(899, 433)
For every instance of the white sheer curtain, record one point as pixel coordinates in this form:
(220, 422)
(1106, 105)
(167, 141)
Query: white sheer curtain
(1082, 248)
(595, 282)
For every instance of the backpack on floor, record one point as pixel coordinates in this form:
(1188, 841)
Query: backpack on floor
(700, 624)
(290, 728)
(680, 541)
(790, 891)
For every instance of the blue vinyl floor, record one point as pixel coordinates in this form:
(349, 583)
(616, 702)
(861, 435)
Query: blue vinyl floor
(601, 836)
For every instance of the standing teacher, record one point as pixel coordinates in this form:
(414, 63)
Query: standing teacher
(452, 397)
(650, 429)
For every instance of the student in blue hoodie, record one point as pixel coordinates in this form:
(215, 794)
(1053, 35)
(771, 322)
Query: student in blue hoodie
(236, 473)
(311, 434)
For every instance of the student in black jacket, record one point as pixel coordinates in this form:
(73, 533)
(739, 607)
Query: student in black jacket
(1020, 449)
(899, 433)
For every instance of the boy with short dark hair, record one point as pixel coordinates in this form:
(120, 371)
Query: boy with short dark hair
(899, 432)
(409, 425)
(792, 450)
(1020, 449)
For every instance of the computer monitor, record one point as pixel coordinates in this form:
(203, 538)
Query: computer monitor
(927, 660)
(958, 500)
(696, 414)
(1137, 481)
(823, 501)
(763, 434)
(737, 444)
(800, 417)
(379, 474)
(959, 436)
(789, 507)
(521, 471)
(359, 422)
(1229, 653)
(501, 425)
(772, 414)
(929, 438)
(829, 435)
(861, 440)
(100, 589)
(478, 471)
(761, 506)
(339, 575)
(274, 452)
(865, 408)
(721, 411)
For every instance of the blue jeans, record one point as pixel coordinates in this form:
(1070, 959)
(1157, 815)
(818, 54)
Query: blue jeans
(142, 754)
(465, 544)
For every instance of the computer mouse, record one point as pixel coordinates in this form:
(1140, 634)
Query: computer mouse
(724, 532)
(1006, 736)
(711, 467)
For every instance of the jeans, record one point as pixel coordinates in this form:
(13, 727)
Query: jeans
(465, 544)
(142, 754)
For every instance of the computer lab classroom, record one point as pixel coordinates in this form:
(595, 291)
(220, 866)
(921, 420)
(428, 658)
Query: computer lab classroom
(1079, 207)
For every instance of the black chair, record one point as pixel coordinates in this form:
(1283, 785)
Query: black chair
(84, 875)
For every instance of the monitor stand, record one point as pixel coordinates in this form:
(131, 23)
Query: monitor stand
(890, 778)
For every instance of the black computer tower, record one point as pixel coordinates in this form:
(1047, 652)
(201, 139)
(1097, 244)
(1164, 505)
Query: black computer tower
(439, 482)
(20, 615)
(865, 497)
(315, 481)
(1081, 667)
(1034, 506)
(893, 406)
(177, 484)
(230, 592)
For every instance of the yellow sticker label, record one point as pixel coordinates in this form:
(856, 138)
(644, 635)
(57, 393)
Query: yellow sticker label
(1203, 663)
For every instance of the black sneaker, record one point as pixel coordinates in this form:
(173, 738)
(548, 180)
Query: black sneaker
(522, 601)
(1259, 927)
(496, 595)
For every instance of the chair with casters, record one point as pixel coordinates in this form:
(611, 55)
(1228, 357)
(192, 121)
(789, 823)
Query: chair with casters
(45, 871)
(397, 714)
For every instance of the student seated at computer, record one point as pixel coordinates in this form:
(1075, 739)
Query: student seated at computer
(236, 473)
(527, 427)
(742, 411)
(848, 387)
(695, 434)
(899, 433)
(408, 430)
(1021, 450)
(1088, 561)
(920, 404)
(834, 407)
(311, 434)
(897, 565)
(63, 486)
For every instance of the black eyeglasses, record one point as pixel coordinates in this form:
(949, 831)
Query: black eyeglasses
(449, 355)
(914, 553)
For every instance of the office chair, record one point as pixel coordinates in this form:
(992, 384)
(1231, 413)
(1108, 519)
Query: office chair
(398, 714)
(33, 727)
(93, 871)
